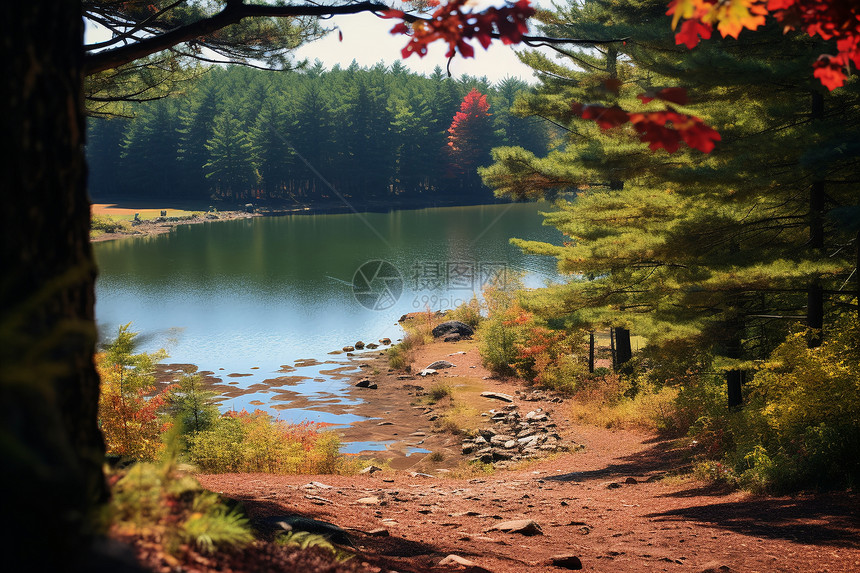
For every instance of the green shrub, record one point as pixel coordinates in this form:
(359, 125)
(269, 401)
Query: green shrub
(805, 407)
(497, 345)
(107, 224)
(496, 339)
(800, 424)
(467, 313)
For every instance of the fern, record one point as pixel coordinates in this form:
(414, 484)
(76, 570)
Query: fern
(305, 540)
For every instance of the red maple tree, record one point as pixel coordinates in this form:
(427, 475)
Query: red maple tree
(470, 134)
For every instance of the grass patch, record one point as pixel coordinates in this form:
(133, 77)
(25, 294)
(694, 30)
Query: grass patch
(419, 331)
(605, 402)
(459, 418)
(437, 392)
(468, 470)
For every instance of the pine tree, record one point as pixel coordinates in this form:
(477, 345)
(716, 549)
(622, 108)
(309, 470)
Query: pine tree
(194, 409)
(229, 168)
(272, 154)
(104, 140)
(149, 154)
(197, 117)
(719, 248)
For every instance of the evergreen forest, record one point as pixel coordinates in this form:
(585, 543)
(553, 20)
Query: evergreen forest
(243, 134)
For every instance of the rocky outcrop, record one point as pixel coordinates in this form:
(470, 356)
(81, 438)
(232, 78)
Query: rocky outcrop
(514, 437)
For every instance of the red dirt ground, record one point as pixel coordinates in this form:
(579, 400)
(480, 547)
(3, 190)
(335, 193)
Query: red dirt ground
(582, 501)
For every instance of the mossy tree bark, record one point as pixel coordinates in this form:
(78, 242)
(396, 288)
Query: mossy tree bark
(51, 447)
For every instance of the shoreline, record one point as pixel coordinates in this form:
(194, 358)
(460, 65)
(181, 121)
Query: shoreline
(416, 433)
(163, 225)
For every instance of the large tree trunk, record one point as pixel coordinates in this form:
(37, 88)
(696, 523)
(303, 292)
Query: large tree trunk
(624, 351)
(51, 447)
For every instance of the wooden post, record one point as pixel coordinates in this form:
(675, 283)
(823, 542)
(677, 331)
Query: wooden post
(591, 352)
(612, 348)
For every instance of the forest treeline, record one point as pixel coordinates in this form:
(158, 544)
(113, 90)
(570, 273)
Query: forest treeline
(243, 134)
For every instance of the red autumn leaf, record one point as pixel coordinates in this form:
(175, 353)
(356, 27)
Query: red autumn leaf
(701, 136)
(605, 117)
(780, 4)
(690, 32)
(666, 129)
(456, 24)
(830, 71)
(673, 95)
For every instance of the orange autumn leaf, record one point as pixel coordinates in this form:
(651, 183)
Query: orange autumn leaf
(735, 15)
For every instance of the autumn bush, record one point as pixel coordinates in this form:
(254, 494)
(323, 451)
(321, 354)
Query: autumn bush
(514, 341)
(801, 424)
(467, 313)
(130, 405)
(139, 422)
(256, 442)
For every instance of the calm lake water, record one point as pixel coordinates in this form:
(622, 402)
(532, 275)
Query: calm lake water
(251, 297)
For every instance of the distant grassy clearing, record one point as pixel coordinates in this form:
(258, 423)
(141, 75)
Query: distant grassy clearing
(126, 214)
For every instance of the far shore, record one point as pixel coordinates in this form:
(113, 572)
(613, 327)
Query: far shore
(158, 225)
(184, 213)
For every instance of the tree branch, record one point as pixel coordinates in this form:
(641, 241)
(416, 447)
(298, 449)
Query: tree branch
(236, 10)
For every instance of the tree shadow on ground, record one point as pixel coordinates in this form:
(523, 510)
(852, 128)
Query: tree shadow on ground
(662, 457)
(825, 519)
(389, 552)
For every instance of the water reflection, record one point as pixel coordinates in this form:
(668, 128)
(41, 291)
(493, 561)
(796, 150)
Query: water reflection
(251, 296)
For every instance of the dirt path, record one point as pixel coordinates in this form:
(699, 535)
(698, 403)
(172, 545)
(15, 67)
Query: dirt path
(616, 505)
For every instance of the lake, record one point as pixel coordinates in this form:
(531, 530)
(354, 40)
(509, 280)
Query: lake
(258, 299)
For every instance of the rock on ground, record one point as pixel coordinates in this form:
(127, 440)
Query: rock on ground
(452, 327)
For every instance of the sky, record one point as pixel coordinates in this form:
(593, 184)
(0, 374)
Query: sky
(367, 40)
